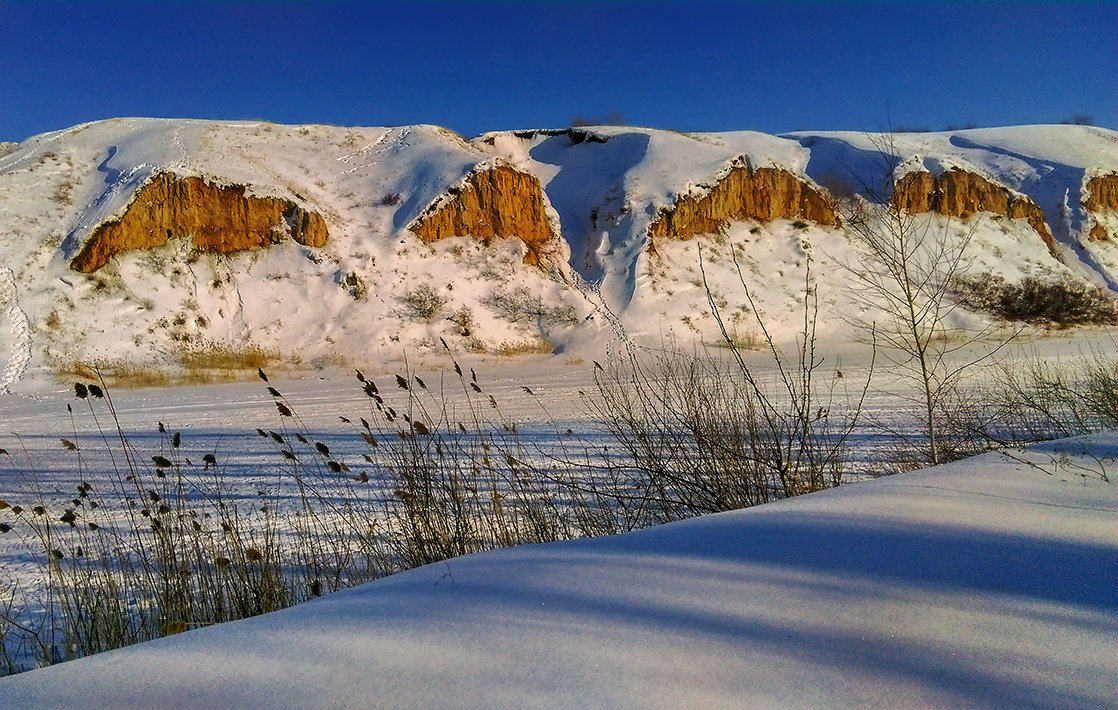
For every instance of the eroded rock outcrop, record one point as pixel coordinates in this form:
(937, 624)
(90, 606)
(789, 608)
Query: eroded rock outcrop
(961, 193)
(498, 202)
(742, 194)
(217, 218)
(1102, 197)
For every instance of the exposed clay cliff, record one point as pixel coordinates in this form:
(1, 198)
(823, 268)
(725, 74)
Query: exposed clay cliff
(1102, 196)
(742, 194)
(217, 218)
(499, 202)
(960, 193)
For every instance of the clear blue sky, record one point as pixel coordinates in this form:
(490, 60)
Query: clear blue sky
(484, 66)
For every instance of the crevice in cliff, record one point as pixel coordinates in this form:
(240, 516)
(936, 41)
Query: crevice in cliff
(217, 218)
(1101, 202)
(743, 193)
(495, 202)
(961, 193)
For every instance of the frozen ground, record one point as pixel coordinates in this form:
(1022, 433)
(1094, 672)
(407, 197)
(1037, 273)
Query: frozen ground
(987, 583)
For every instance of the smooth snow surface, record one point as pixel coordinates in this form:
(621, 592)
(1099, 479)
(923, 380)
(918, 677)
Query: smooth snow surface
(986, 583)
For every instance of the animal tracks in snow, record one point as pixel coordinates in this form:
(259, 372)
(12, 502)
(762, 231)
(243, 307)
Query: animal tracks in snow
(20, 355)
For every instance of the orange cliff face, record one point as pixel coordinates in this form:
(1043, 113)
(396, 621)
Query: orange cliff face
(217, 218)
(960, 193)
(1102, 197)
(500, 202)
(743, 194)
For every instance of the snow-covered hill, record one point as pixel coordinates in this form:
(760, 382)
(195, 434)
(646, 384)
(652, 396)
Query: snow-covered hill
(375, 287)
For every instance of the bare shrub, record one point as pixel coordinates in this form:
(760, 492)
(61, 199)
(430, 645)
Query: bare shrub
(523, 307)
(528, 346)
(464, 322)
(1059, 303)
(700, 434)
(907, 268)
(424, 302)
(1037, 400)
(1029, 401)
(963, 419)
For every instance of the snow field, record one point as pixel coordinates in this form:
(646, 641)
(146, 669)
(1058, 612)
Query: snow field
(985, 583)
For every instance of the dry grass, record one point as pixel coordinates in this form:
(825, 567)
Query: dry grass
(204, 365)
(528, 346)
(221, 363)
(121, 374)
(161, 545)
(742, 340)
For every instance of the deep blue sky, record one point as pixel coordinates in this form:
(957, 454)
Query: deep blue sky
(480, 66)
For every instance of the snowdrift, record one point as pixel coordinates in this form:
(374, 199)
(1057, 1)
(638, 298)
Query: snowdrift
(986, 583)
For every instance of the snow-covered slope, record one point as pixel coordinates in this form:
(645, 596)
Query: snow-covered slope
(375, 288)
(988, 583)
(1050, 164)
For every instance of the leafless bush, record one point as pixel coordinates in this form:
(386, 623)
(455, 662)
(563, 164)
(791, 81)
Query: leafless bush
(464, 322)
(424, 302)
(1038, 400)
(523, 307)
(699, 434)
(1029, 401)
(1060, 303)
(963, 419)
(907, 268)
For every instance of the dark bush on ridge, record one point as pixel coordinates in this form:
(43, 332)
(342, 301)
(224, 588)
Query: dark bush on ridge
(1061, 303)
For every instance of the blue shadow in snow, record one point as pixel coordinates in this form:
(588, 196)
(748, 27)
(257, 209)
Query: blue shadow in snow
(417, 200)
(935, 557)
(112, 175)
(834, 162)
(1055, 188)
(113, 178)
(588, 169)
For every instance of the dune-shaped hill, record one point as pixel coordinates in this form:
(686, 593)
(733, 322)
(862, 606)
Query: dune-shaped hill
(157, 242)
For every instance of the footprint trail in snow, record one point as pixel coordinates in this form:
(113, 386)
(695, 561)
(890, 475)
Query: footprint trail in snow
(20, 355)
